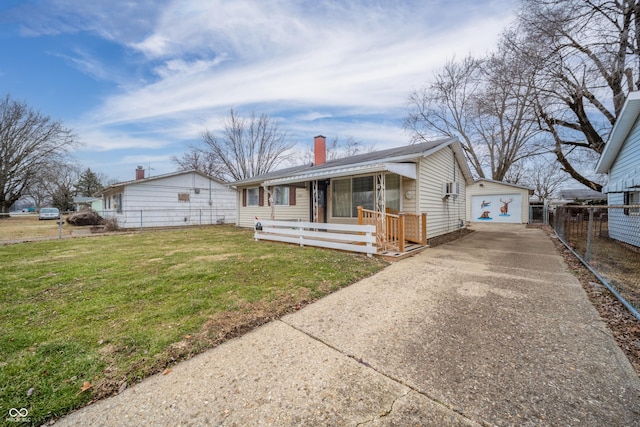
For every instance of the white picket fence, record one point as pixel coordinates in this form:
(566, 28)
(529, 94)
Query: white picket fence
(346, 237)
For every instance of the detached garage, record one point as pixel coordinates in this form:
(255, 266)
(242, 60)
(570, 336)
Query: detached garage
(495, 201)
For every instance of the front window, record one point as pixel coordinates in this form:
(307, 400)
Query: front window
(341, 197)
(362, 194)
(281, 196)
(349, 193)
(392, 192)
(253, 196)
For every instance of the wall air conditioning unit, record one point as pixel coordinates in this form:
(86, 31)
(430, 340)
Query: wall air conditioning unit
(450, 189)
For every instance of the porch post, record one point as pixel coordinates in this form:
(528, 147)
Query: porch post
(314, 192)
(401, 218)
(380, 208)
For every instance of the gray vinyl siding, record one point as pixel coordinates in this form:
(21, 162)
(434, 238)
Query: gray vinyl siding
(628, 157)
(621, 226)
(408, 205)
(444, 215)
(298, 212)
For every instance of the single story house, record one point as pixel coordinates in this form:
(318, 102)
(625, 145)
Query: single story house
(82, 203)
(620, 160)
(428, 178)
(174, 199)
(493, 201)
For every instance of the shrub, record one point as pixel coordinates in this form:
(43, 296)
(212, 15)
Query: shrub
(87, 217)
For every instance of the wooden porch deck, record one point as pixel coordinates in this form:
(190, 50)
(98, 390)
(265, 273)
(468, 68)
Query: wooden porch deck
(398, 234)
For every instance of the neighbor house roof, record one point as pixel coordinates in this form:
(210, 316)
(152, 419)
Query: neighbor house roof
(580, 194)
(84, 199)
(396, 160)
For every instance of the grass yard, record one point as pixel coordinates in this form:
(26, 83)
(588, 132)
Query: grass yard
(28, 227)
(83, 318)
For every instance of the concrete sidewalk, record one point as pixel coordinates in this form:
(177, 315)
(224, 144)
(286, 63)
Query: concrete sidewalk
(489, 330)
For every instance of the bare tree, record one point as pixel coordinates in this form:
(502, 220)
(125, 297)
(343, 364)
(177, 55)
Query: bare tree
(55, 185)
(340, 148)
(584, 60)
(246, 147)
(545, 176)
(62, 181)
(28, 143)
(201, 160)
(484, 103)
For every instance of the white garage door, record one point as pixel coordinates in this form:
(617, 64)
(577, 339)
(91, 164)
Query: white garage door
(497, 208)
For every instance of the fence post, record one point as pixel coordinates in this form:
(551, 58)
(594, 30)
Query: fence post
(587, 256)
(60, 230)
(401, 223)
(424, 228)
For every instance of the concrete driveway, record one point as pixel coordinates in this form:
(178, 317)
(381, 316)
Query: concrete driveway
(489, 330)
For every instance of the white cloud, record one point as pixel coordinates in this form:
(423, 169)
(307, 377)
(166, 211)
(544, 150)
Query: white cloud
(334, 66)
(342, 65)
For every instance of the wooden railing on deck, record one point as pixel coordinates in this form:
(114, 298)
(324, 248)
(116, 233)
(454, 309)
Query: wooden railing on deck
(397, 228)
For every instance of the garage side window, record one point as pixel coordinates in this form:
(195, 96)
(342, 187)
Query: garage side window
(632, 198)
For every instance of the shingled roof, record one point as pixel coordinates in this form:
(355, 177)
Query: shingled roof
(387, 160)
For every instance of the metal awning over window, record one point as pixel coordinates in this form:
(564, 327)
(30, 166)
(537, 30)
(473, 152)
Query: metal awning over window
(403, 169)
(629, 182)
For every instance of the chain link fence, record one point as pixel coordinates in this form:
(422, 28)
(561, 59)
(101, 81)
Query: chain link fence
(23, 226)
(151, 218)
(607, 240)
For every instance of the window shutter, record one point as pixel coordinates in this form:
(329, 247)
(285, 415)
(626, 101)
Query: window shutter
(292, 196)
(244, 197)
(261, 196)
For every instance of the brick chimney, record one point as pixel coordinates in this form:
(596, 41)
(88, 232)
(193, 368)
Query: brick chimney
(139, 173)
(319, 150)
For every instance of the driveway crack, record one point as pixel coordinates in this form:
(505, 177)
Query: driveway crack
(410, 387)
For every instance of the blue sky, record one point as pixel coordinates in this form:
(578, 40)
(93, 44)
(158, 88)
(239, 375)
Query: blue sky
(139, 80)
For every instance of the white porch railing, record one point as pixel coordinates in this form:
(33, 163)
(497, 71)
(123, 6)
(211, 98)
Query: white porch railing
(346, 237)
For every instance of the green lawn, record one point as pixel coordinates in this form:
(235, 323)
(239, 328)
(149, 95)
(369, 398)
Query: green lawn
(100, 313)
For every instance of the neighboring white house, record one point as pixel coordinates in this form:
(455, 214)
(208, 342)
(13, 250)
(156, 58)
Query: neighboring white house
(425, 178)
(492, 201)
(174, 199)
(94, 203)
(620, 160)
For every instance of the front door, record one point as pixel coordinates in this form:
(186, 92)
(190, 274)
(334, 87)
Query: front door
(321, 207)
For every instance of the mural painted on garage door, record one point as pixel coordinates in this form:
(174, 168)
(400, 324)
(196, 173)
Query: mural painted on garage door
(496, 208)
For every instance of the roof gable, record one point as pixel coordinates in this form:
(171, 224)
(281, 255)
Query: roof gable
(160, 177)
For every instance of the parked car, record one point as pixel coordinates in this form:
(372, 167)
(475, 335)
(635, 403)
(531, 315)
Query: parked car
(49, 213)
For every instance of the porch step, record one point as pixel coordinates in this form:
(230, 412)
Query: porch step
(410, 249)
